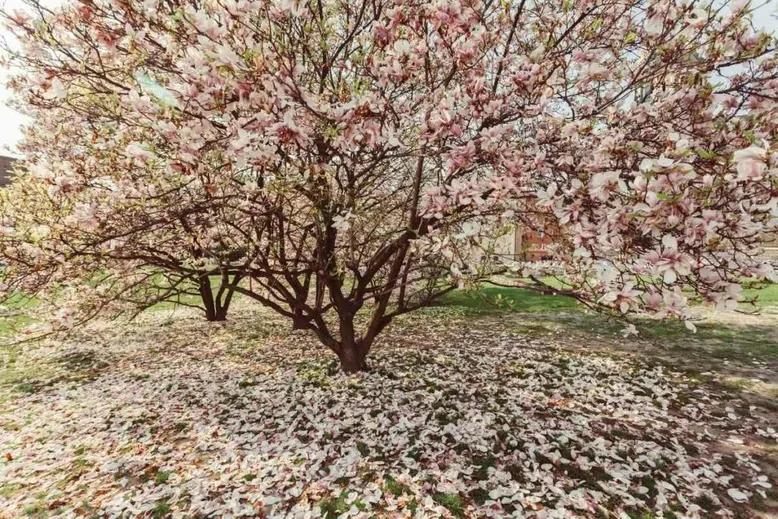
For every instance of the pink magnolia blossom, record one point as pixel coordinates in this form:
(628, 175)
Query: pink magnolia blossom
(233, 139)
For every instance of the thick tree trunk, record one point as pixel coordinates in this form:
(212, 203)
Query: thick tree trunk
(214, 311)
(298, 321)
(215, 307)
(352, 357)
(219, 314)
(352, 350)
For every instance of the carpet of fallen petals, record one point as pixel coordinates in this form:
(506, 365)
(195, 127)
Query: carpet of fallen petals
(181, 418)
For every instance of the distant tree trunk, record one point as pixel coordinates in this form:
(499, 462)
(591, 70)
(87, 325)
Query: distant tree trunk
(214, 310)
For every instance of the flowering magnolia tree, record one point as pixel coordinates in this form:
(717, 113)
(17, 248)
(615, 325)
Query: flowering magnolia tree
(83, 262)
(356, 160)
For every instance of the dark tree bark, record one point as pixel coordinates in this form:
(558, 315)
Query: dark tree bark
(220, 314)
(299, 321)
(215, 307)
(353, 357)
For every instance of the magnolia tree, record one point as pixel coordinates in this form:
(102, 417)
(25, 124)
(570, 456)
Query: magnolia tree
(359, 158)
(84, 251)
(83, 262)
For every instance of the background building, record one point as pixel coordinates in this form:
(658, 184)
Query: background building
(6, 169)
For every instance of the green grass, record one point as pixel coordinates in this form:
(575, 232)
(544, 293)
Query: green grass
(161, 510)
(395, 488)
(538, 315)
(162, 477)
(16, 378)
(12, 325)
(335, 506)
(719, 340)
(19, 301)
(767, 295)
(491, 298)
(452, 502)
(12, 320)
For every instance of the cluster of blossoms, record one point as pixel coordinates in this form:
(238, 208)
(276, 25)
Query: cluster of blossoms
(361, 157)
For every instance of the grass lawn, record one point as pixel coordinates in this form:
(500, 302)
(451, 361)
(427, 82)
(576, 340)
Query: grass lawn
(472, 409)
(747, 339)
(12, 317)
(494, 298)
(766, 295)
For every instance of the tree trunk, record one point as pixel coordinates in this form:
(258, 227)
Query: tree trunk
(214, 311)
(215, 307)
(298, 321)
(219, 314)
(352, 357)
(208, 304)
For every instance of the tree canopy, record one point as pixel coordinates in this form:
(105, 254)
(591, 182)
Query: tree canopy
(356, 160)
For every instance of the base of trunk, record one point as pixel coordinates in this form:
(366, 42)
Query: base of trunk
(353, 368)
(352, 361)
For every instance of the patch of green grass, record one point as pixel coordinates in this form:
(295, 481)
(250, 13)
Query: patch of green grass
(19, 377)
(532, 330)
(395, 488)
(491, 298)
(161, 510)
(12, 320)
(12, 325)
(81, 463)
(162, 477)
(642, 514)
(363, 449)
(718, 340)
(732, 342)
(318, 372)
(333, 507)
(452, 502)
(36, 510)
(8, 490)
(765, 294)
(25, 387)
(20, 301)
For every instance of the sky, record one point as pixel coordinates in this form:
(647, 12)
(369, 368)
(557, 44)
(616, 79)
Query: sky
(11, 121)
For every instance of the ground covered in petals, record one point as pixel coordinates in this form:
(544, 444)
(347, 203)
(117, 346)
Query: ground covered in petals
(460, 416)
